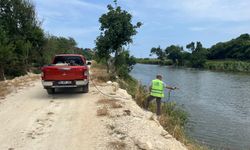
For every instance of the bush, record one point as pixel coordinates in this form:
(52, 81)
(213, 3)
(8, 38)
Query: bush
(154, 61)
(36, 71)
(179, 116)
(228, 65)
(99, 73)
(124, 64)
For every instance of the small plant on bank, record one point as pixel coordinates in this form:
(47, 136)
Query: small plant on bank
(173, 119)
(110, 102)
(117, 145)
(99, 73)
(228, 65)
(102, 111)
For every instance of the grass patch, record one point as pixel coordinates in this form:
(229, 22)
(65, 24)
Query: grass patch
(117, 145)
(102, 111)
(6, 87)
(99, 73)
(50, 113)
(228, 65)
(173, 119)
(154, 61)
(127, 112)
(135, 89)
(116, 105)
(110, 102)
(3, 89)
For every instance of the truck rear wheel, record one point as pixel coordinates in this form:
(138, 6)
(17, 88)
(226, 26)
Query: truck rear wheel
(50, 91)
(85, 89)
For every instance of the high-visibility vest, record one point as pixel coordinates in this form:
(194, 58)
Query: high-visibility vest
(157, 88)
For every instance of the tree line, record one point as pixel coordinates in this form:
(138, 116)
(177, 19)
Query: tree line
(23, 42)
(238, 48)
(197, 55)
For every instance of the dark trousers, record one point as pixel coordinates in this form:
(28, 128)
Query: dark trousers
(158, 102)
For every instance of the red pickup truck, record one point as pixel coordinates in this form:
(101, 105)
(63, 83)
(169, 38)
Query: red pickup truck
(66, 71)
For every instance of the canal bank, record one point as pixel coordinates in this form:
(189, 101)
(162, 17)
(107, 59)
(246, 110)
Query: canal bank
(172, 118)
(218, 103)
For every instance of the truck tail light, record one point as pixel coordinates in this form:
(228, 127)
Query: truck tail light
(42, 72)
(86, 73)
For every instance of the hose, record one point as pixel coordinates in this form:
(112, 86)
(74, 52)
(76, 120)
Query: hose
(107, 95)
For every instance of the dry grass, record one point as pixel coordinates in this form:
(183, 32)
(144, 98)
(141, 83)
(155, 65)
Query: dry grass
(127, 112)
(111, 127)
(110, 102)
(116, 105)
(151, 117)
(3, 89)
(178, 132)
(6, 87)
(117, 145)
(105, 101)
(50, 113)
(102, 111)
(99, 73)
(140, 94)
(175, 130)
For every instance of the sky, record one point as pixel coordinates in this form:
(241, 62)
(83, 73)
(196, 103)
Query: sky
(165, 22)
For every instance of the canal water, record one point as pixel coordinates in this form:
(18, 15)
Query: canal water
(218, 103)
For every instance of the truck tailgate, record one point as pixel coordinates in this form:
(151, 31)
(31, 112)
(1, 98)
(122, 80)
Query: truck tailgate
(61, 73)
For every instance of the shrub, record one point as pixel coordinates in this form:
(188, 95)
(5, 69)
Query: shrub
(117, 145)
(228, 65)
(102, 111)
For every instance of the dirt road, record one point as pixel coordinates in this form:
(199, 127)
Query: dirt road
(31, 119)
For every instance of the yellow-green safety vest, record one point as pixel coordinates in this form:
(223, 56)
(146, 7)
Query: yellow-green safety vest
(157, 88)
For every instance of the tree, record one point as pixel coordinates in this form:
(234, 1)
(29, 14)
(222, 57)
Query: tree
(87, 53)
(6, 51)
(186, 57)
(238, 48)
(58, 45)
(117, 31)
(103, 51)
(158, 52)
(174, 53)
(18, 20)
(199, 54)
(125, 63)
(191, 46)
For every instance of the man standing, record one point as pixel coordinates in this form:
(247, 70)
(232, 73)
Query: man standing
(157, 92)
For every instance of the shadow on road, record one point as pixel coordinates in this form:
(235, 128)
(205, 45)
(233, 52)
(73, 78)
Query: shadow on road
(62, 94)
